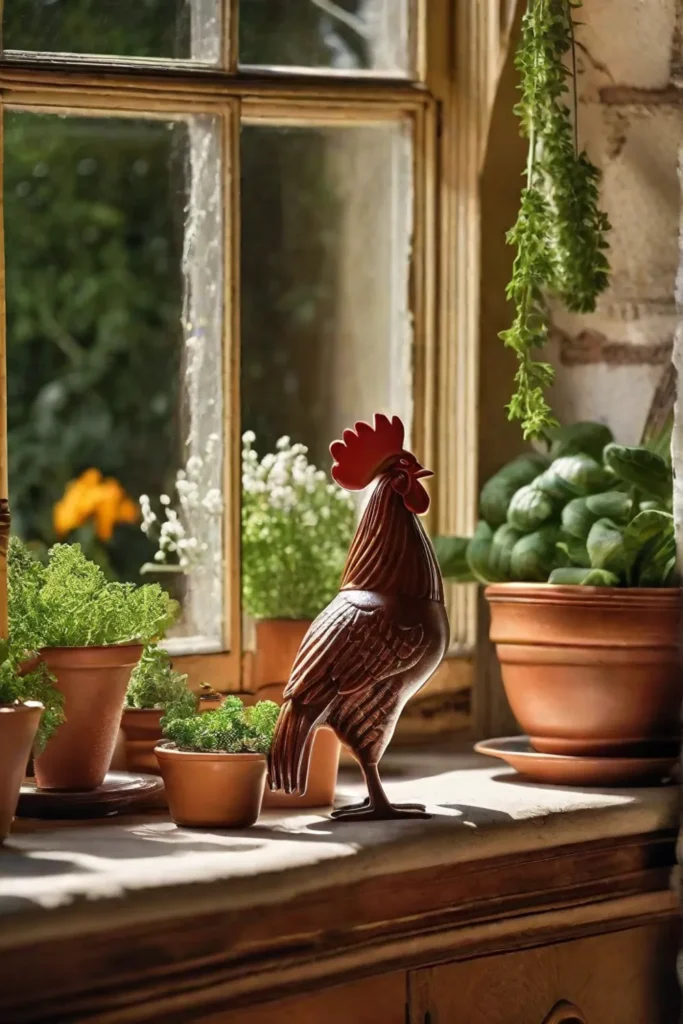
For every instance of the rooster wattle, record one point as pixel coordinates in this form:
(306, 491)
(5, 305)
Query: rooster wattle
(379, 641)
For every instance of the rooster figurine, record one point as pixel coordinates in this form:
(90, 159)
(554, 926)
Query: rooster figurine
(384, 634)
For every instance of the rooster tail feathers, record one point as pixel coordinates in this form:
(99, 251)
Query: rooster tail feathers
(290, 751)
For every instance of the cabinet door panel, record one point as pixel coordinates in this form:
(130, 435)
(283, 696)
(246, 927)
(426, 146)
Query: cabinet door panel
(626, 977)
(380, 1000)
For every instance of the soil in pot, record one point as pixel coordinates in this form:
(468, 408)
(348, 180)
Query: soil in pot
(323, 770)
(590, 671)
(212, 790)
(18, 725)
(94, 681)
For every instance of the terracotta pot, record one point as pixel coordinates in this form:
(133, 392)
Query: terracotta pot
(143, 733)
(323, 771)
(210, 702)
(590, 671)
(118, 759)
(277, 644)
(94, 682)
(18, 725)
(212, 790)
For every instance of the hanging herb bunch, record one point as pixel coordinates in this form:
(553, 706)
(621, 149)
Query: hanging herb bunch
(560, 233)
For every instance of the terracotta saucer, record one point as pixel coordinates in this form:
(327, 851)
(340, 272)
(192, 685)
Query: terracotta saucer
(120, 791)
(559, 770)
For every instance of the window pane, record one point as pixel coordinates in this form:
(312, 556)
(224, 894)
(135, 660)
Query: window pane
(331, 35)
(174, 29)
(326, 233)
(113, 260)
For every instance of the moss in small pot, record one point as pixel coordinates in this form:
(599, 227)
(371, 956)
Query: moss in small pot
(214, 765)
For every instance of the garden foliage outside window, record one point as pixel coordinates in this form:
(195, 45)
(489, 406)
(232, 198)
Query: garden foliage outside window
(193, 255)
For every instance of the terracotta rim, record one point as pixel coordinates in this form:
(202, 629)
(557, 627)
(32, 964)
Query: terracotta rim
(25, 705)
(581, 654)
(625, 597)
(87, 657)
(197, 755)
(144, 711)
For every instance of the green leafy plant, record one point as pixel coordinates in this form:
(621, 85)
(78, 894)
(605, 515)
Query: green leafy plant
(69, 603)
(155, 684)
(230, 729)
(31, 681)
(600, 516)
(296, 530)
(560, 232)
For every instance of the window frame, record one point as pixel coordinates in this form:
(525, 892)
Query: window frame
(456, 51)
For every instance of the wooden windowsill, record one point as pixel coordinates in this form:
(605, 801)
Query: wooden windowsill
(298, 896)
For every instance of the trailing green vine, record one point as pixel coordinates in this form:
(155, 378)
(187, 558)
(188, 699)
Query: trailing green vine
(560, 231)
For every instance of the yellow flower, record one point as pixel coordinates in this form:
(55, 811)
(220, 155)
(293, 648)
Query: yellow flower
(92, 496)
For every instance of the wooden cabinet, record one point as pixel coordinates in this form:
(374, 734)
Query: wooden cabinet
(624, 977)
(379, 1000)
(560, 918)
(620, 978)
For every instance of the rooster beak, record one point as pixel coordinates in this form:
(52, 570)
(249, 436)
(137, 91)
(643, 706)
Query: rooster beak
(422, 474)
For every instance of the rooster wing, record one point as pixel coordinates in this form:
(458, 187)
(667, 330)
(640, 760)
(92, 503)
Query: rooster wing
(353, 643)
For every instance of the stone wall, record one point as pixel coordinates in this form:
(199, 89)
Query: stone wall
(631, 121)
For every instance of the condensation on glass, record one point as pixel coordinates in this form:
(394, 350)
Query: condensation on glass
(140, 29)
(114, 269)
(326, 245)
(342, 36)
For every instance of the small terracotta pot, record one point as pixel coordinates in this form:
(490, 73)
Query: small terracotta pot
(210, 702)
(590, 671)
(94, 682)
(323, 770)
(212, 790)
(142, 729)
(277, 645)
(18, 725)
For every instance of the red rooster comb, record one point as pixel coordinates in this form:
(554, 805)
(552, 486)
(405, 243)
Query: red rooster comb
(363, 450)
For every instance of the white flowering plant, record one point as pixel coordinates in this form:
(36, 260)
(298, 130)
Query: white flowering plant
(296, 531)
(181, 527)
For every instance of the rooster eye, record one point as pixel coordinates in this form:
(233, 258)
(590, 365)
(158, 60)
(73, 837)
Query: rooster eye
(403, 462)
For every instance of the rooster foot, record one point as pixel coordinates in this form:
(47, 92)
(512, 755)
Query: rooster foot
(349, 808)
(382, 812)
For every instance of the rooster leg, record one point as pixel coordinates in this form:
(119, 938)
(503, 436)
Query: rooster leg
(377, 807)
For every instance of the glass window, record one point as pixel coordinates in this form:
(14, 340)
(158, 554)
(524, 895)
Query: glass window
(351, 36)
(114, 269)
(326, 235)
(172, 29)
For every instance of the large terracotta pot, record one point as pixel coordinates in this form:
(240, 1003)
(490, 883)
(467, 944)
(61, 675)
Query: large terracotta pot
(142, 729)
(277, 645)
(323, 770)
(94, 682)
(212, 790)
(18, 725)
(591, 671)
